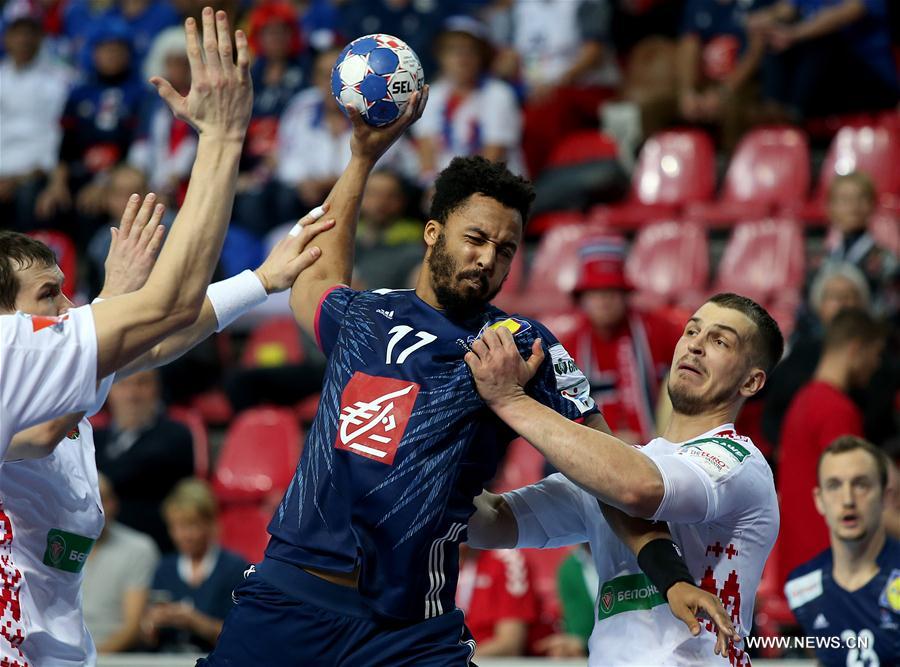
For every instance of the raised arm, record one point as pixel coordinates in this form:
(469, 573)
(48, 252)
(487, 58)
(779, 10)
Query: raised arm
(218, 106)
(367, 145)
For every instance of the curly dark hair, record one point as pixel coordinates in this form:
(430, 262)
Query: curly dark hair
(466, 176)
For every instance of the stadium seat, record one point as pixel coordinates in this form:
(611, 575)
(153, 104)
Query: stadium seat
(873, 149)
(194, 422)
(583, 146)
(242, 529)
(259, 455)
(66, 256)
(554, 268)
(668, 264)
(674, 168)
(274, 342)
(769, 171)
(766, 261)
(543, 565)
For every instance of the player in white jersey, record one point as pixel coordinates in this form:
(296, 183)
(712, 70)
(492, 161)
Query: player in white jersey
(53, 502)
(50, 364)
(712, 486)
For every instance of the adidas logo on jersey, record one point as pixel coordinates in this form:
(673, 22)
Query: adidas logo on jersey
(820, 623)
(387, 313)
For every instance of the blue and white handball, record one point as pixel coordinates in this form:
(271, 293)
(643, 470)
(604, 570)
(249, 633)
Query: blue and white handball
(376, 74)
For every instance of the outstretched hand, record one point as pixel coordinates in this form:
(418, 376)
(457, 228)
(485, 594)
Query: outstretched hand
(290, 256)
(134, 246)
(499, 370)
(220, 100)
(686, 601)
(371, 142)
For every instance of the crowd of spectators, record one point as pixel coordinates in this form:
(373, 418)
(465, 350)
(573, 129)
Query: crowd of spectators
(81, 130)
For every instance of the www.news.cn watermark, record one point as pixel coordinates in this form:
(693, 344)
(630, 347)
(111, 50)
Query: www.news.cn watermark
(847, 641)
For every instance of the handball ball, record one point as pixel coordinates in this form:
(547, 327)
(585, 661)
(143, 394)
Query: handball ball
(376, 74)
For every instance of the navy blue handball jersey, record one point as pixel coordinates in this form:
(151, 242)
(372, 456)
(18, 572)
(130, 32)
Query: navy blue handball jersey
(401, 445)
(866, 621)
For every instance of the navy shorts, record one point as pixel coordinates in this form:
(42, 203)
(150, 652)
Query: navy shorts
(320, 624)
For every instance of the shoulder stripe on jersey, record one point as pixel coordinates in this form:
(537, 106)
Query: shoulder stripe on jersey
(433, 606)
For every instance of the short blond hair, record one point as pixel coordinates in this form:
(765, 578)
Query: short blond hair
(860, 178)
(193, 495)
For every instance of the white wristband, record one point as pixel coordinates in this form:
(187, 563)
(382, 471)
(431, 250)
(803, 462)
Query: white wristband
(235, 296)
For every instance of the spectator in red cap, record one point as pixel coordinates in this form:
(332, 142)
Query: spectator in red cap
(280, 71)
(624, 353)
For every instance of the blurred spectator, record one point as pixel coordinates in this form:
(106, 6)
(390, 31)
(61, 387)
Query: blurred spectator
(191, 588)
(716, 65)
(98, 127)
(143, 453)
(820, 412)
(319, 20)
(851, 202)
(278, 73)
(416, 22)
(578, 584)
(827, 56)
(468, 112)
(33, 91)
(852, 590)
(165, 146)
(117, 577)
(497, 598)
(388, 240)
(624, 353)
(314, 144)
(145, 20)
(563, 52)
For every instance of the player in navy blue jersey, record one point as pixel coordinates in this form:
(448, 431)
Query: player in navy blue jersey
(848, 597)
(362, 565)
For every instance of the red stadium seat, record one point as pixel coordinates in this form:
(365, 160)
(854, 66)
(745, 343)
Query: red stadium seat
(275, 342)
(66, 256)
(873, 149)
(769, 171)
(674, 168)
(259, 455)
(766, 261)
(194, 421)
(242, 529)
(583, 146)
(669, 264)
(554, 268)
(543, 565)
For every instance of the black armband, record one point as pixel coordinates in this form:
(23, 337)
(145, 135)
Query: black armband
(662, 562)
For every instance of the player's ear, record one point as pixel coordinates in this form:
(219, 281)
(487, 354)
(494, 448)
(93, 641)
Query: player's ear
(753, 383)
(432, 232)
(817, 499)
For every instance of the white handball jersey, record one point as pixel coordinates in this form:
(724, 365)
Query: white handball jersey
(53, 504)
(48, 368)
(721, 508)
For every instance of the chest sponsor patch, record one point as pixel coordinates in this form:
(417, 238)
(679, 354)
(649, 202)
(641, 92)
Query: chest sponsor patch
(67, 551)
(803, 589)
(717, 456)
(515, 326)
(630, 592)
(890, 596)
(374, 414)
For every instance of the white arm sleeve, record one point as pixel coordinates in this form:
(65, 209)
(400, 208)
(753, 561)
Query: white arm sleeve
(707, 480)
(48, 368)
(549, 513)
